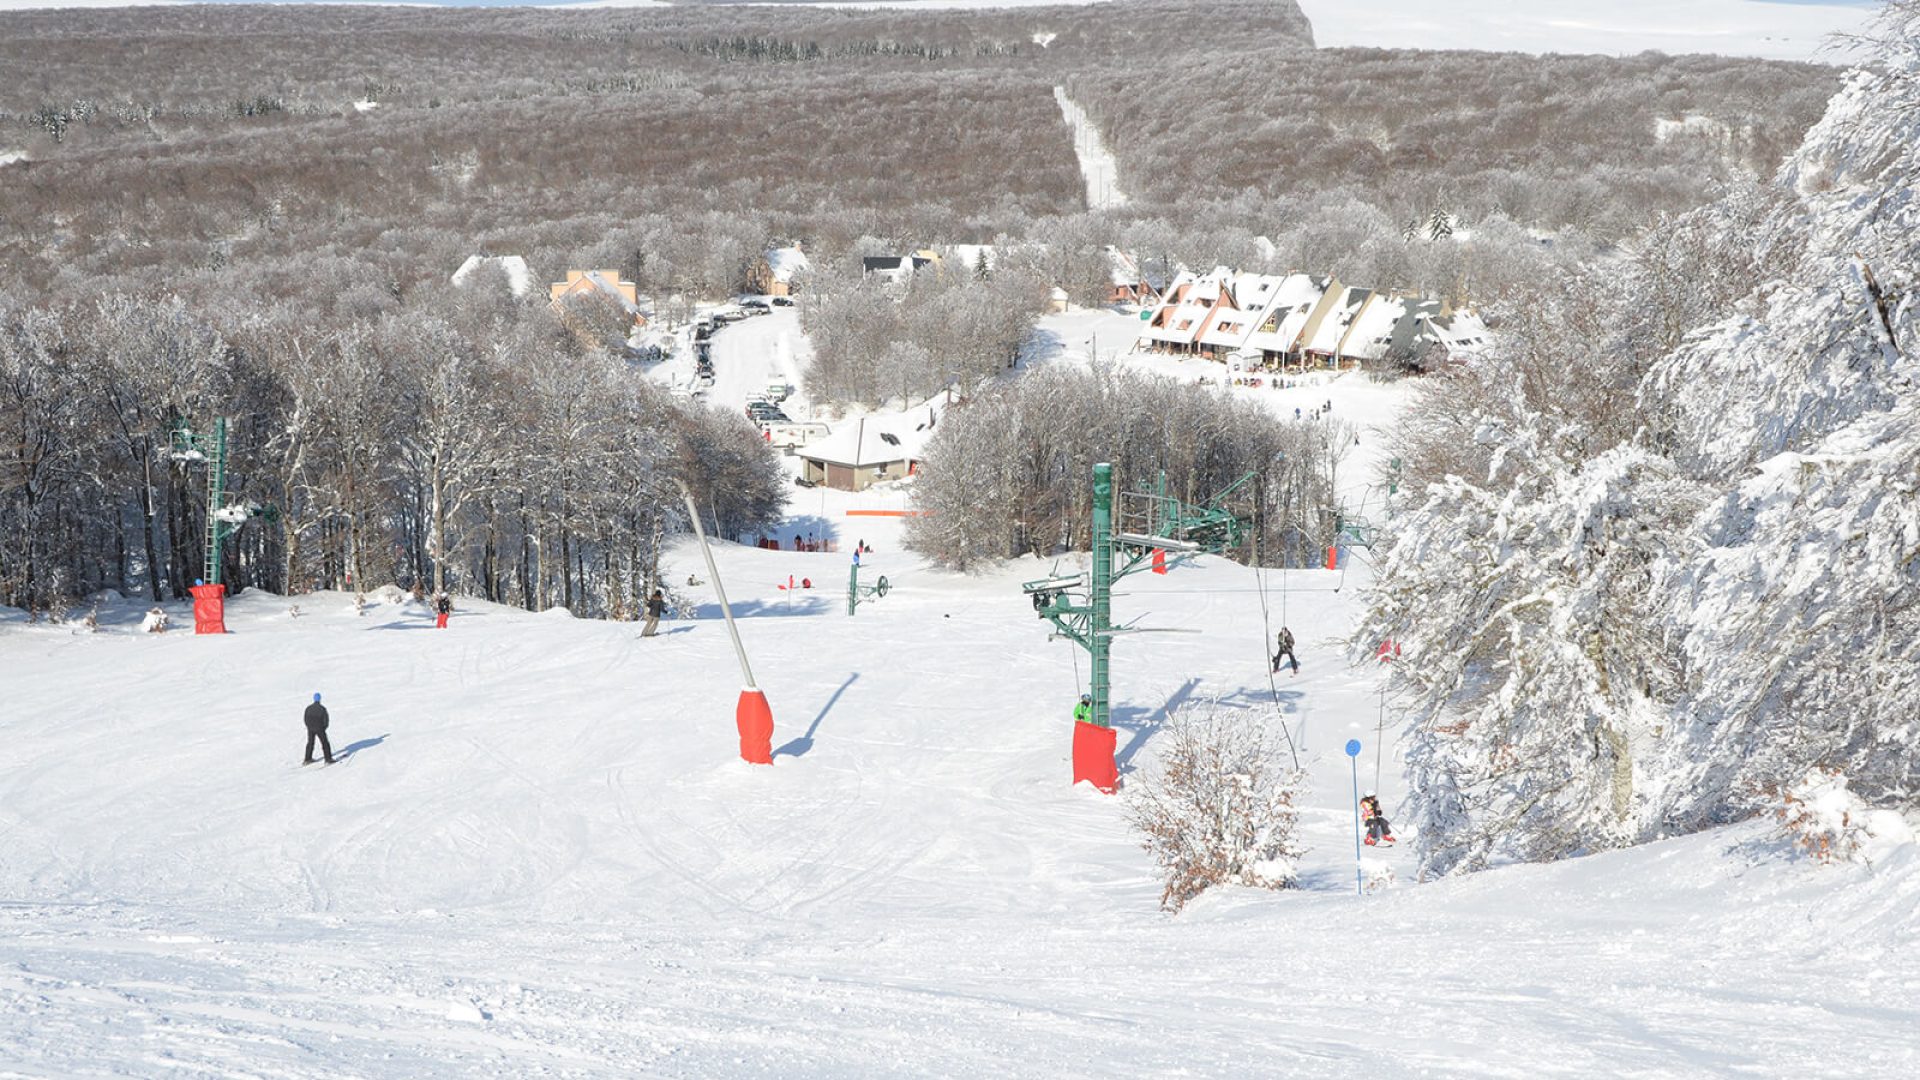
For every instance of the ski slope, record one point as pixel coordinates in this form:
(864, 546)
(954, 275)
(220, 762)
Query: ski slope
(540, 855)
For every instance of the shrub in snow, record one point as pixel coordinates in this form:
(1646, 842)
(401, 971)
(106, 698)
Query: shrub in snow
(1832, 824)
(1376, 876)
(1217, 807)
(155, 622)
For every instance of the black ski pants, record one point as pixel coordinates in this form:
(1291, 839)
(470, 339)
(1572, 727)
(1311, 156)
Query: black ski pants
(1377, 828)
(326, 748)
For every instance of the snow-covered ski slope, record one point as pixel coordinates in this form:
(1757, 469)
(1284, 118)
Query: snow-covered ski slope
(541, 856)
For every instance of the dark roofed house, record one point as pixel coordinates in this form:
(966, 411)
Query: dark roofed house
(896, 269)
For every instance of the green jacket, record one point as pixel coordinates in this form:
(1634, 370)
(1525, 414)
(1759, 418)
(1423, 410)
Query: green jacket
(1083, 712)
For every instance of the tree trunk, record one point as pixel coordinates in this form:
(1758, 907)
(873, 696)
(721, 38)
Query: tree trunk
(438, 547)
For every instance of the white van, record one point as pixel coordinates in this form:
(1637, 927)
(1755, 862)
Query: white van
(792, 435)
(777, 390)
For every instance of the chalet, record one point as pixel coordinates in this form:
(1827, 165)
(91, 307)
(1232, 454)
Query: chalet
(772, 274)
(897, 269)
(871, 449)
(1324, 340)
(1129, 284)
(604, 283)
(1185, 310)
(1254, 299)
(1431, 333)
(1298, 307)
(1306, 321)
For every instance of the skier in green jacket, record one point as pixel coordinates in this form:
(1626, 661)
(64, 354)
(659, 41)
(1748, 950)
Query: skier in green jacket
(1083, 712)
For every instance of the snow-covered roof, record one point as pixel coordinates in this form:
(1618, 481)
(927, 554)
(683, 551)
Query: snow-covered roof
(1287, 316)
(1461, 331)
(1372, 329)
(879, 438)
(785, 262)
(1186, 306)
(1244, 306)
(1344, 307)
(606, 282)
(519, 277)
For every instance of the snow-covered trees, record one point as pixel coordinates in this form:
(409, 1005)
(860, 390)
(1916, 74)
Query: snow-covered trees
(1622, 615)
(1217, 806)
(469, 447)
(1007, 471)
(951, 326)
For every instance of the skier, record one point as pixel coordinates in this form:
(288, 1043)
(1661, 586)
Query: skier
(1083, 712)
(444, 605)
(1377, 828)
(316, 718)
(1285, 648)
(656, 607)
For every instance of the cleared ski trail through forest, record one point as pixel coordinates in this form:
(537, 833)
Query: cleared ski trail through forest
(1097, 164)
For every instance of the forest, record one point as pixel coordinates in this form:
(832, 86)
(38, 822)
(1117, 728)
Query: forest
(253, 211)
(1676, 583)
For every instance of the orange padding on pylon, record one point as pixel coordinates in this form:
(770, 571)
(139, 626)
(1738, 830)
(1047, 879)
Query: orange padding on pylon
(209, 609)
(755, 719)
(1333, 558)
(1093, 756)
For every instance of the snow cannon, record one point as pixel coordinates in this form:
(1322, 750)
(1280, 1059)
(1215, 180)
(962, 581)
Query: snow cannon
(1093, 756)
(754, 717)
(209, 608)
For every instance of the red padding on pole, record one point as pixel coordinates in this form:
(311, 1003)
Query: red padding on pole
(1093, 756)
(755, 719)
(1159, 560)
(1333, 558)
(209, 609)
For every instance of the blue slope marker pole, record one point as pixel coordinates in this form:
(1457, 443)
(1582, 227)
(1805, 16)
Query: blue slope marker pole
(1353, 758)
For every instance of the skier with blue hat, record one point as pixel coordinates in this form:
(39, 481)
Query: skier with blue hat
(316, 718)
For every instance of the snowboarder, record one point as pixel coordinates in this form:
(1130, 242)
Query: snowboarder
(656, 607)
(1083, 712)
(1377, 828)
(1284, 648)
(443, 604)
(316, 718)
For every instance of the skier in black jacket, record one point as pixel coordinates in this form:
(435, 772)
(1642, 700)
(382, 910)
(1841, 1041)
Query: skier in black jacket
(316, 718)
(1284, 647)
(656, 607)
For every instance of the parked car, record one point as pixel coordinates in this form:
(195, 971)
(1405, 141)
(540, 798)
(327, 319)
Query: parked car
(782, 301)
(756, 307)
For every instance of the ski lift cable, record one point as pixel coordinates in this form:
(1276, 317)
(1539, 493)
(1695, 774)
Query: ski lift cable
(1266, 632)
